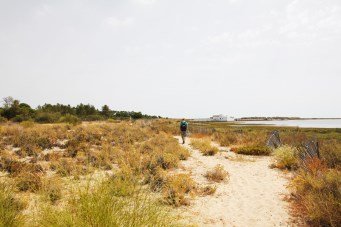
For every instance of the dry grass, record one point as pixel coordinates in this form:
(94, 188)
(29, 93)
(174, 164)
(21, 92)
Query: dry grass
(218, 174)
(240, 158)
(207, 190)
(51, 189)
(204, 145)
(115, 202)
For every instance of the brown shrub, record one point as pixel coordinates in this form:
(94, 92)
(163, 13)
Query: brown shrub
(218, 174)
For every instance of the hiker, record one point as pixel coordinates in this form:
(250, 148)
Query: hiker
(183, 129)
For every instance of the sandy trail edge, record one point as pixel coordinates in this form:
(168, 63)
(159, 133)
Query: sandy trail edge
(253, 196)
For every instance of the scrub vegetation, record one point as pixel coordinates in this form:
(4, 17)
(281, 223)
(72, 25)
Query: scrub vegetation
(120, 173)
(108, 173)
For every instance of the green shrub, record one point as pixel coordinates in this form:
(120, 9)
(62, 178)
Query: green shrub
(94, 118)
(253, 150)
(44, 117)
(27, 124)
(331, 153)
(21, 118)
(285, 157)
(71, 119)
(10, 207)
(2, 119)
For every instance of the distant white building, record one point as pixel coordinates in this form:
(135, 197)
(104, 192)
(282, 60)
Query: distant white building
(221, 117)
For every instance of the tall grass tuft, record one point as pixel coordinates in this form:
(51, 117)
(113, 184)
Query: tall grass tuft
(10, 207)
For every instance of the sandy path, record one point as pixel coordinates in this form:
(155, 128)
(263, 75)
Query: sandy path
(253, 196)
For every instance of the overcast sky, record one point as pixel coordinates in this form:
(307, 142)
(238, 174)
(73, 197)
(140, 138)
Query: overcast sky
(175, 58)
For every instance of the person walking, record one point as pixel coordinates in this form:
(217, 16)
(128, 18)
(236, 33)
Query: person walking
(183, 129)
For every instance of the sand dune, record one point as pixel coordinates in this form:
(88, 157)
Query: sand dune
(253, 195)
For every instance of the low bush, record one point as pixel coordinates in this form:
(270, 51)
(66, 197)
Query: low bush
(10, 207)
(204, 145)
(27, 124)
(218, 174)
(286, 158)
(3, 119)
(15, 167)
(157, 179)
(253, 150)
(71, 119)
(176, 188)
(331, 153)
(45, 117)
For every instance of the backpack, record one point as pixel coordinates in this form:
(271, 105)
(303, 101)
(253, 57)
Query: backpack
(183, 126)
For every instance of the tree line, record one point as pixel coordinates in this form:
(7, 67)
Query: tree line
(16, 111)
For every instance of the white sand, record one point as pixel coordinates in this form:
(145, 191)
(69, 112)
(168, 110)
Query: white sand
(253, 195)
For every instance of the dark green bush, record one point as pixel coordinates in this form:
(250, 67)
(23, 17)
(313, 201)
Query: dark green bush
(94, 118)
(71, 119)
(47, 117)
(2, 119)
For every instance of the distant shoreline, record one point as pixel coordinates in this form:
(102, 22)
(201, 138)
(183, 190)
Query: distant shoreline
(284, 119)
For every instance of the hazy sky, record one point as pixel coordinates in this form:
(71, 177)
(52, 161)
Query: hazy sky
(175, 58)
